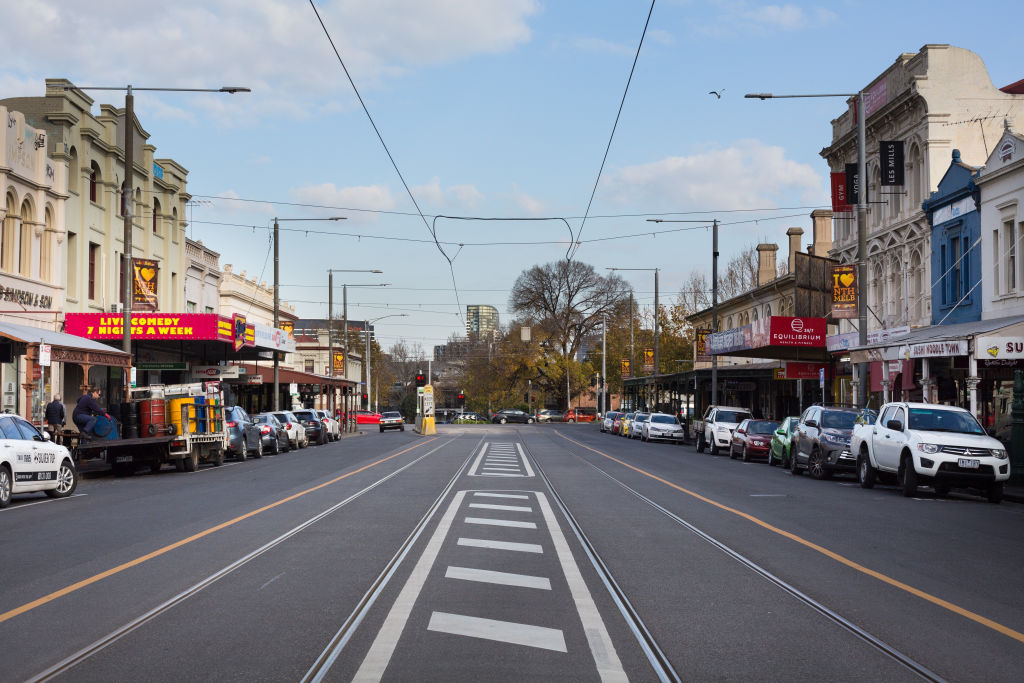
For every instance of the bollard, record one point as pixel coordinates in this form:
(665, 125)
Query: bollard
(1017, 429)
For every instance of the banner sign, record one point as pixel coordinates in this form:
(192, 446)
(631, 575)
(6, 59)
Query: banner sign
(166, 326)
(701, 346)
(999, 348)
(736, 339)
(269, 337)
(891, 157)
(852, 184)
(648, 359)
(939, 349)
(779, 330)
(840, 199)
(144, 279)
(216, 372)
(844, 291)
(339, 362)
(626, 368)
(288, 326)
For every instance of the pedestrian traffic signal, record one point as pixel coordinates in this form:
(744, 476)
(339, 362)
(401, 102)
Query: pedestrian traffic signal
(421, 380)
(462, 396)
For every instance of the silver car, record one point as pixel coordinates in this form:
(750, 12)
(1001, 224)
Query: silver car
(391, 420)
(662, 426)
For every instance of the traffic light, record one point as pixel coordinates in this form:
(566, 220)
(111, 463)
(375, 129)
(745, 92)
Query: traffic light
(462, 396)
(365, 396)
(421, 380)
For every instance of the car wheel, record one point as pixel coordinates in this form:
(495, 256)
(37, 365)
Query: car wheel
(243, 451)
(5, 486)
(794, 463)
(816, 465)
(700, 443)
(865, 472)
(771, 457)
(218, 458)
(570, 420)
(907, 477)
(192, 460)
(287, 445)
(67, 481)
(529, 421)
(732, 453)
(995, 493)
(714, 447)
(746, 456)
(259, 449)
(381, 430)
(277, 447)
(502, 421)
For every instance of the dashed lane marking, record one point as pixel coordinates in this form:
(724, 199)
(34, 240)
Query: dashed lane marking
(500, 522)
(501, 578)
(503, 631)
(511, 508)
(500, 545)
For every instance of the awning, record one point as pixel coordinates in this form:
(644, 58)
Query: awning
(286, 376)
(938, 341)
(66, 348)
(779, 337)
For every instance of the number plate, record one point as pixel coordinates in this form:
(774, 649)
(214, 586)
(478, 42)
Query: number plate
(123, 458)
(969, 463)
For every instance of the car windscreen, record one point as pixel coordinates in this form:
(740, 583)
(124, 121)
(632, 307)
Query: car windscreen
(283, 418)
(260, 419)
(761, 427)
(736, 416)
(663, 419)
(932, 420)
(838, 419)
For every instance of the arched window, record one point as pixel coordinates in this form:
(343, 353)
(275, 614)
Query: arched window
(74, 172)
(916, 177)
(916, 278)
(121, 202)
(25, 246)
(94, 181)
(46, 248)
(898, 302)
(156, 212)
(754, 315)
(7, 236)
(137, 207)
(878, 287)
(767, 310)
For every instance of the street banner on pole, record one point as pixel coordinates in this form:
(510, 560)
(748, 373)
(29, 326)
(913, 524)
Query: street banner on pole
(844, 291)
(852, 184)
(339, 362)
(701, 346)
(627, 371)
(648, 359)
(144, 284)
(891, 156)
(840, 199)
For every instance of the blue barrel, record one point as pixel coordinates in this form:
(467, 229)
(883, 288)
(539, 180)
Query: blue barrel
(202, 423)
(105, 428)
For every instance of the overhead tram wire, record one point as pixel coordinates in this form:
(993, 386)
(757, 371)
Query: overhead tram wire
(573, 245)
(451, 267)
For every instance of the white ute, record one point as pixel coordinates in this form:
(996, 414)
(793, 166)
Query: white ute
(932, 445)
(717, 427)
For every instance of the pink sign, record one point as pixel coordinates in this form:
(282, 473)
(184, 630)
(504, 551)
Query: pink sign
(197, 326)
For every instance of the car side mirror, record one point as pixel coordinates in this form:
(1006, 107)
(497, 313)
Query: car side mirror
(894, 425)
(811, 423)
(780, 432)
(45, 436)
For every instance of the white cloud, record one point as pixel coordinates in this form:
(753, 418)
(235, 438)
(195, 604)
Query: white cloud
(747, 174)
(744, 17)
(454, 197)
(275, 47)
(363, 200)
(531, 206)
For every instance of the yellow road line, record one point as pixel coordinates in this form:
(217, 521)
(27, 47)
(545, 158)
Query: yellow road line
(1005, 630)
(10, 614)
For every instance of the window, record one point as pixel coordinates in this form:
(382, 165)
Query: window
(1010, 246)
(956, 272)
(28, 432)
(997, 286)
(945, 268)
(72, 264)
(156, 211)
(190, 306)
(8, 430)
(94, 250)
(208, 309)
(121, 203)
(308, 364)
(25, 250)
(74, 172)
(46, 248)
(94, 180)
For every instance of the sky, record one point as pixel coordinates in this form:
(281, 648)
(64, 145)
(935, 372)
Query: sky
(498, 109)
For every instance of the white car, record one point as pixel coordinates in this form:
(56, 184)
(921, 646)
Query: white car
(333, 426)
(718, 425)
(391, 420)
(934, 445)
(296, 431)
(30, 462)
(661, 426)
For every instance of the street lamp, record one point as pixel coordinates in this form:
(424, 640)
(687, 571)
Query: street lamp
(127, 193)
(366, 332)
(330, 324)
(277, 297)
(862, 227)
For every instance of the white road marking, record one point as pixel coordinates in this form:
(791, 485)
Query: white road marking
(502, 495)
(271, 581)
(502, 631)
(501, 545)
(767, 495)
(526, 463)
(489, 506)
(498, 474)
(500, 522)
(476, 463)
(502, 578)
(601, 647)
(500, 468)
(16, 506)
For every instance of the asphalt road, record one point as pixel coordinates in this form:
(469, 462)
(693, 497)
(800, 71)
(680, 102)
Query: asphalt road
(499, 553)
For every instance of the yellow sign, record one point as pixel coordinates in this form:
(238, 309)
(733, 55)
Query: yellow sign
(648, 359)
(339, 362)
(627, 370)
(844, 291)
(144, 282)
(425, 420)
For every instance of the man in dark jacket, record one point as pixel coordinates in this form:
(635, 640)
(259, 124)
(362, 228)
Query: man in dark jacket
(56, 418)
(86, 411)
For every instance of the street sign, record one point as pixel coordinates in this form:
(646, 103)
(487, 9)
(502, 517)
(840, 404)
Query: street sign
(821, 378)
(44, 355)
(143, 365)
(648, 359)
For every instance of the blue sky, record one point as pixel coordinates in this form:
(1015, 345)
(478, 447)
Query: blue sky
(491, 108)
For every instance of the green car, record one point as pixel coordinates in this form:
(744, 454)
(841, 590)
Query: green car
(782, 441)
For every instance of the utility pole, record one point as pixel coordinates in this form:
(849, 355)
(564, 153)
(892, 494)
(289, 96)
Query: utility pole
(714, 308)
(277, 317)
(330, 326)
(128, 276)
(862, 247)
(656, 312)
(604, 363)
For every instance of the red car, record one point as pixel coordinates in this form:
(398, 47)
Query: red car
(366, 417)
(753, 439)
(616, 422)
(580, 415)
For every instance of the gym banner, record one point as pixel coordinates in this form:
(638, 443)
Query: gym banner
(839, 196)
(144, 288)
(891, 157)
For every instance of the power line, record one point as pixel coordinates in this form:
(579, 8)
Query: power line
(573, 247)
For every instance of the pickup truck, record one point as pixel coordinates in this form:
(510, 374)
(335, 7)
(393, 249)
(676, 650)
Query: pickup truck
(932, 445)
(715, 430)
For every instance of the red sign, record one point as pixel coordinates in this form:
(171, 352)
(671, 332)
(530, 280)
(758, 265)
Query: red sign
(840, 202)
(800, 370)
(787, 331)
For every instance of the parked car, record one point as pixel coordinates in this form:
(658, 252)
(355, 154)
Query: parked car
(617, 423)
(296, 431)
(939, 446)
(782, 442)
(332, 423)
(608, 421)
(580, 415)
(391, 419)
(550, 416)
(821, 441)
(30, 462)
(273, 433)
(752, 439)
(244, 437)
(661, 426)
(316, 430)
(624, 424)
(367, 417)
(636, 425)
(716, 429)
(511, 415)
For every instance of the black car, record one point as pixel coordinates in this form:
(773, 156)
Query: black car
(821, 441)
(244, 437)
(273, 433)
(509, 415)
(316, 430)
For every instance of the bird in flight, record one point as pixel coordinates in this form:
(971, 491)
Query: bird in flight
(717, 93)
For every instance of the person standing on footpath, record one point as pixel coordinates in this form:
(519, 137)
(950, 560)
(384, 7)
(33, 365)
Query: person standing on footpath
(56, 418)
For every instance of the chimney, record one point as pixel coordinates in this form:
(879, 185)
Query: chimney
(766, 263)
(794, 235)
(822, 220)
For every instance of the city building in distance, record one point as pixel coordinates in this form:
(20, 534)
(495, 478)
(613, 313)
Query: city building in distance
(481, 320)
